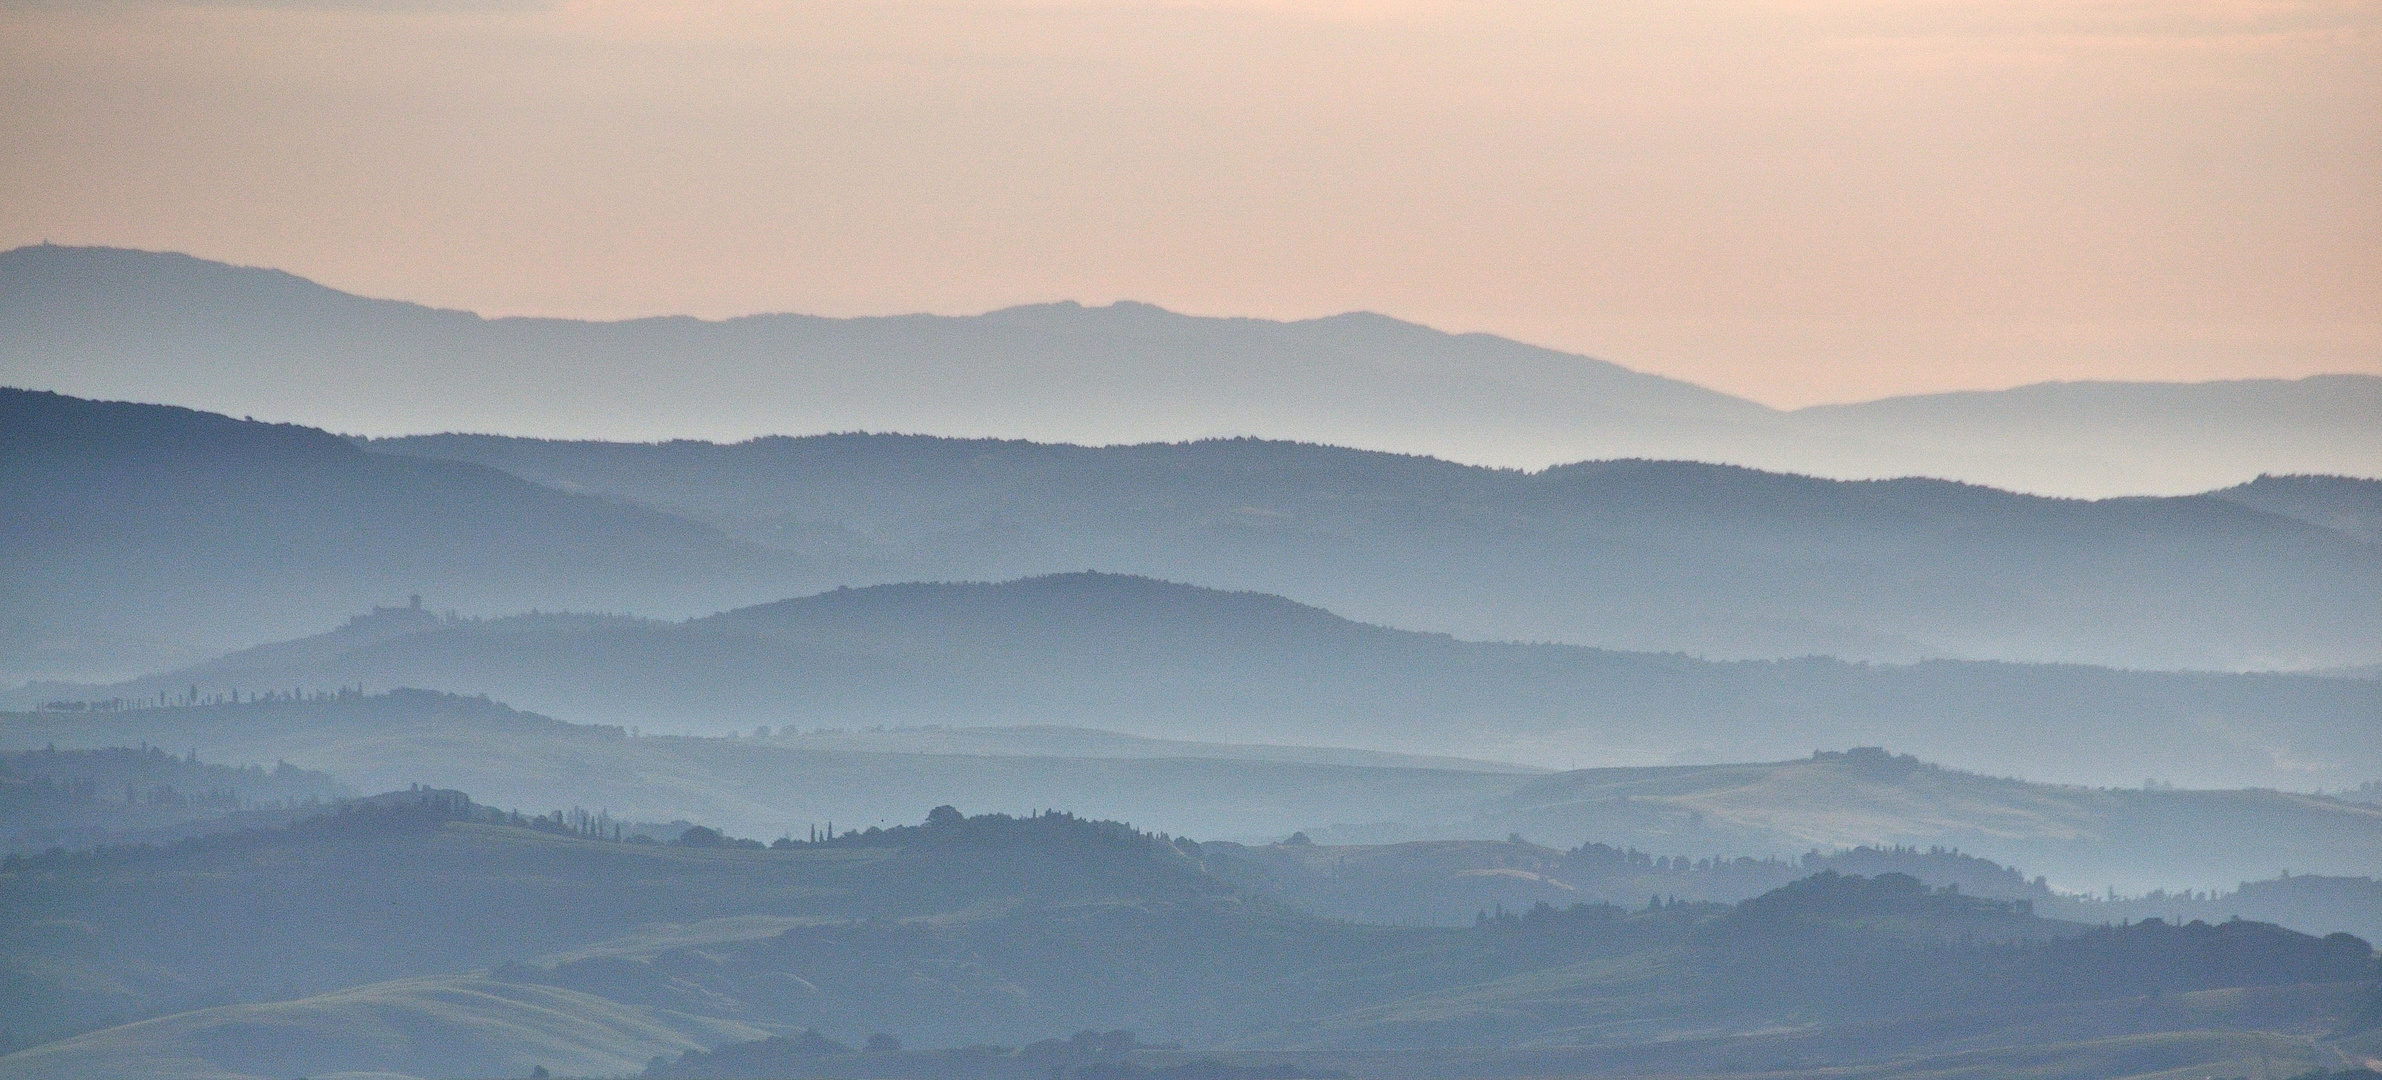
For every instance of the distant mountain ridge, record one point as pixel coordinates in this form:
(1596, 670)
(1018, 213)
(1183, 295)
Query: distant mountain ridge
(1159, 659)
(155, 326)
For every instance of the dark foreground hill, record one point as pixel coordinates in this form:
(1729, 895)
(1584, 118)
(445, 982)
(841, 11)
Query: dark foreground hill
(1706, 559)
(1159, 659)
(2082, 837)
(170, 327)
(425, 935)
(131, 534)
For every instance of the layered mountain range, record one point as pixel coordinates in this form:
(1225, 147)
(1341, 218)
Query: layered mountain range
(141, 537)
(1515, 743)
(160, 327)
(1709, 560)
(1159, 659)
(790, 782)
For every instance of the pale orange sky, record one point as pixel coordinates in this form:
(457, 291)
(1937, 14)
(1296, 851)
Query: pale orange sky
(1796, 201)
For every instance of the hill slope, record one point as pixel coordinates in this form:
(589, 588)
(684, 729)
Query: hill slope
(2110, 438)
(122, 519)
(422, 884)
(1158, 659)
(2084, 838)
(111, 322)
(133, 534)
(2348, 506)
(1703, 559)
(986, 928)
(447, 1026)
(1447, 882)
(83, 798)
(779, 786)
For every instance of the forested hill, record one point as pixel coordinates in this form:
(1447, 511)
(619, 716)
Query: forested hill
(2348, 505)
(1155, 658)
(79, 798)
(1661, 555)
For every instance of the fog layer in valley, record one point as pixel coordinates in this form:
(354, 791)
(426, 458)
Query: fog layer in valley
(897, 756)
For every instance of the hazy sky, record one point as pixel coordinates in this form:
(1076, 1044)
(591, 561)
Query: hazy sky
(1796, 201)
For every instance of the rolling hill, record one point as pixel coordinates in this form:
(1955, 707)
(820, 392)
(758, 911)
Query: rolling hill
(151, 326)
(133, 534)
(447, 1026)
(124, 520)
(970, 930)
(2081, 837)
(1703, 559)
(83, 798)
(1450, 882)
(1152, 658)
(424, 883)
(781, 786)
(2345, 505)
(79, 799)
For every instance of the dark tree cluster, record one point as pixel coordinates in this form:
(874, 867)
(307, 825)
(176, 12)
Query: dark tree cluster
(1085, 1055)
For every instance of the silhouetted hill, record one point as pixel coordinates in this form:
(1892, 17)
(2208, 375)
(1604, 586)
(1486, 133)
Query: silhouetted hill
(158, 324)
(82, 798)
(1834, 942)
(111, 322)
(2112, 438)
(785, 784)
(124, 516)
(134, 534)
(1710, 560)
(1074, 611)
(1174, 661)
(2303, 900)
(2339, 503)
(1450, 882)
